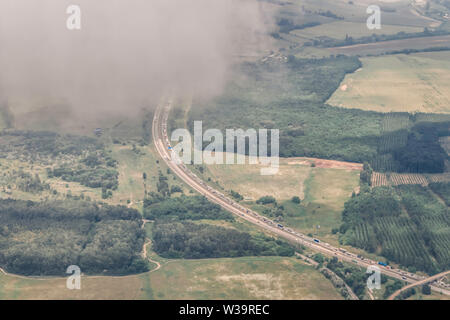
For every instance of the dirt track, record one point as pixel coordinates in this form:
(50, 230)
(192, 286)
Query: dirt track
(327, 164)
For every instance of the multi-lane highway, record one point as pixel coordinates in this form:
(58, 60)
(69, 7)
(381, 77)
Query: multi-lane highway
(162, 144)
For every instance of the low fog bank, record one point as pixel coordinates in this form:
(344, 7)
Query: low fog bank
(127, 53)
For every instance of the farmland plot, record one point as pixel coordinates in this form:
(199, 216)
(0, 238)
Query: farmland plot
(401, 83)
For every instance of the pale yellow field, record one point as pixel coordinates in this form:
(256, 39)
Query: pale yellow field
(332, 179)
(237, 278)
(340, 29)
(412, 83)
(247, 180)
(242, 278)
(12, 288)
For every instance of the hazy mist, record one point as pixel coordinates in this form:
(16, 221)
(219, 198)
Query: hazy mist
(127, 53)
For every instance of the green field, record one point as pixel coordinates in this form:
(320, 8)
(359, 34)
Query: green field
(339, 18)
(399, 83)
(247, 180)
(341, 29)
(326, 192)
(238, 278)
(241, 278)
(400, 13)
(323, 190)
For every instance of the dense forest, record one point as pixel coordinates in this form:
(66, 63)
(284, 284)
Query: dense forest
(423, 152)
(176, 235)
(407, 224)
(291, 96)
(185, 208)
(442, 189)
(194, 241)
(45, 238)
(39, 145)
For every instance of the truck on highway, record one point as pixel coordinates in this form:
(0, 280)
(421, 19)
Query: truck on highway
(316, 240)
(382, 264)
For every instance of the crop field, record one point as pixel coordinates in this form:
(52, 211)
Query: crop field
(397, 12)
(399, 132)
(398, 238)
(411, 226)
(340, 18)
(398, 83)
(377, 48)
(431, 216)
(394, 179)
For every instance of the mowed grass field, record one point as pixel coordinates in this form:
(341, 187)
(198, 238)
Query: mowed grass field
(327, 190)
(402, 83)
(289, 181)
(241, 278)
(237, 278)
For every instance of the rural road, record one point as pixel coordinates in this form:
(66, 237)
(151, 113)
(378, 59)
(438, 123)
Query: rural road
(144, 250)
(162, 144)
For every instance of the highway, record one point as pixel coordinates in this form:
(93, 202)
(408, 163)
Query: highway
(162, 144)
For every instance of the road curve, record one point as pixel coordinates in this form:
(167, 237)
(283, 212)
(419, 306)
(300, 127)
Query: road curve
(162, 144)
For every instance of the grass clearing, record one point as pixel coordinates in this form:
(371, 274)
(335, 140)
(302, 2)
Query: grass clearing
(241, 278)
(327, 191)
(402, 83)
(381, 47)
(237, 278)
(341, 29)
(131, 167)
(12, 288)
(247, 180)
(323, 189)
